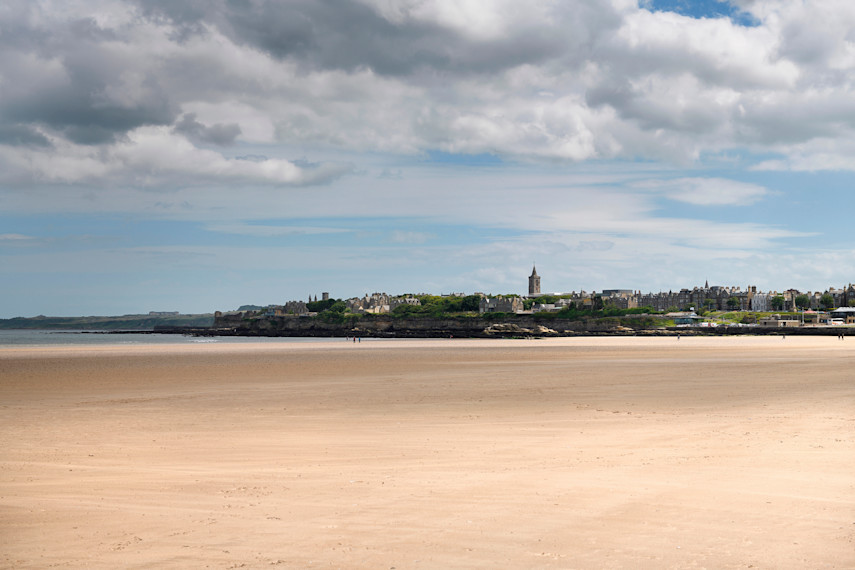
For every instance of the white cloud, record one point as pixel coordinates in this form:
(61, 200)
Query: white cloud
(400, 236)
(709, 191)
(716, 51)
(15, 237)
(260, 230)
(155, 157)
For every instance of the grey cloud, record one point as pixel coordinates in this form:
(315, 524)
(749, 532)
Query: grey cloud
(76, 88)
(797, 117)
(22, 135)
(348, 35)
(218, 134)
(318, 34)
(813, 40)
(87, 29)
(595, 245)
(186, 16)
(651, 112)
(614, 92)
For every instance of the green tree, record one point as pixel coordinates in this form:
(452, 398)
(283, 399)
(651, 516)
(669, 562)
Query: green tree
(335, 313)
(318, 306)
(778, 302)
(734, 303)
(826, 301)
(411, 310)
(470, 303)
(802, 301)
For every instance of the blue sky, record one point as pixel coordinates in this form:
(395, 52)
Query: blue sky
(196, 157)
(704, 9)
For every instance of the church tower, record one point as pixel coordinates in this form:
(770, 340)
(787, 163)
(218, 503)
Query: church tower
(533, 282)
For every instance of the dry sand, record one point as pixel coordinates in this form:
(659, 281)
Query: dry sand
(566, 453)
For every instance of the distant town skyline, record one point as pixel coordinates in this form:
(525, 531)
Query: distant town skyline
(705, 296)
(163, 156)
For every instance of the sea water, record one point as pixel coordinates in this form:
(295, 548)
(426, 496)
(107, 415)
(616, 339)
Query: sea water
(38, 337)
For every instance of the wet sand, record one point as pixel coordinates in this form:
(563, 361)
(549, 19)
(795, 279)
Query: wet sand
(558, 453)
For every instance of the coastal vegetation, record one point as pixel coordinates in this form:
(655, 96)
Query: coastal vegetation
(446, 307)
(324, 305)
(466, 308)
(439, 307)
(435, 316)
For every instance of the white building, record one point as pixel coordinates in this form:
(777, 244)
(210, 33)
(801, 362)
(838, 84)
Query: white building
(761, 302)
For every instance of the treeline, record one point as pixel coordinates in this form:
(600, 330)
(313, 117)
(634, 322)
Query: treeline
(431, 306)
(572, 312)
(326, 304)
(438, 307)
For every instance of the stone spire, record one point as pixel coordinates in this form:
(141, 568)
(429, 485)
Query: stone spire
(533, 282)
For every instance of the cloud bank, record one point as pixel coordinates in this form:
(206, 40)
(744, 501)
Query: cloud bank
(567, 81)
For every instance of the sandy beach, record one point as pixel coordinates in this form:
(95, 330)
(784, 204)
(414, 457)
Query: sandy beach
(557, 453)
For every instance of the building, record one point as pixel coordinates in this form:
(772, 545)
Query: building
(409, 300)
(500, 305)
(761, 302)
(685, 318)
(846, 314)
(620, 298)
(780, 321)
(295, 308)
(533, 283)
(545, 307)
(375, 303)
(616, 292)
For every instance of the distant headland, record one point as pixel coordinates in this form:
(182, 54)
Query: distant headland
(141, 322)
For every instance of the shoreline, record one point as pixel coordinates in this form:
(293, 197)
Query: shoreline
(628, 341)
(846, 330)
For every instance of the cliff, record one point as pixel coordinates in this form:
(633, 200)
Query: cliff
(422, 327)
(485, 326)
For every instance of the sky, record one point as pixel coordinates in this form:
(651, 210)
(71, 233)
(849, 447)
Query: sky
(193, 156)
